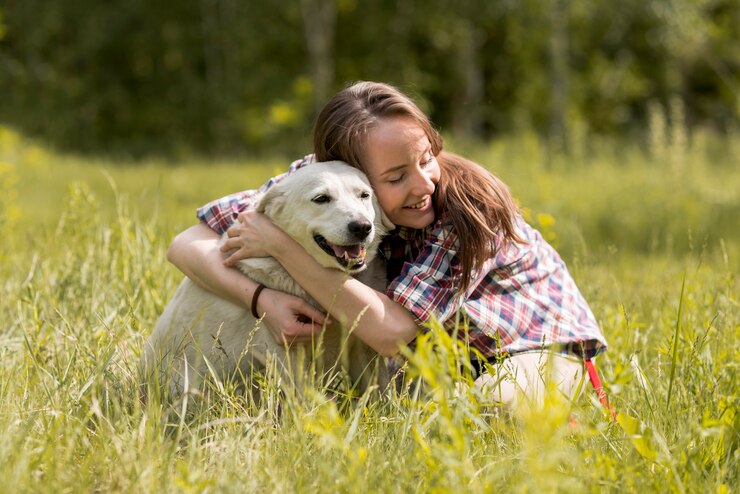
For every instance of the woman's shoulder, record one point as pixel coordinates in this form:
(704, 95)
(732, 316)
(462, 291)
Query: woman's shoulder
(443, 232)
(300, 163)
(533, 254)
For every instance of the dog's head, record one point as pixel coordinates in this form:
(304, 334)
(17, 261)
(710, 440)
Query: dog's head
(330, 209)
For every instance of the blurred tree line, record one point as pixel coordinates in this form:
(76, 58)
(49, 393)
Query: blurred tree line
(229, 76)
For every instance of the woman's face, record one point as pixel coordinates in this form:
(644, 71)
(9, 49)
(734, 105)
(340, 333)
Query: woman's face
(403, 171)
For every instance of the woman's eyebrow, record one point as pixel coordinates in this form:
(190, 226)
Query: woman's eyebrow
(394, 169)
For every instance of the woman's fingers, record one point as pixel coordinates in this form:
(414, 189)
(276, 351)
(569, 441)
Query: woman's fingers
(312, 314)
(235, 257)
(230, 244)
(252, 236)
(291, 319)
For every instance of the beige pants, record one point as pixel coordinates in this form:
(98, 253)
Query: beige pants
(522, 379)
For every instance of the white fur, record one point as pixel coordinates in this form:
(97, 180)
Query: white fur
(200, 336)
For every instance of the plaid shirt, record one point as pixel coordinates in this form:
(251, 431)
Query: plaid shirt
(522, 299)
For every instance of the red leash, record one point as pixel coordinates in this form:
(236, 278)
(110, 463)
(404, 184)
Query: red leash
(593, 376)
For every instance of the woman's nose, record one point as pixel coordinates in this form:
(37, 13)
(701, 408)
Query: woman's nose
(423, 183)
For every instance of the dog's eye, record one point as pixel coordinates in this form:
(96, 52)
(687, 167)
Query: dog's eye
(321, 199)
(364, 195)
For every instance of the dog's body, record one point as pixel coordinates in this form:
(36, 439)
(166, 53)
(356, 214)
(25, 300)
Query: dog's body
(330, 210)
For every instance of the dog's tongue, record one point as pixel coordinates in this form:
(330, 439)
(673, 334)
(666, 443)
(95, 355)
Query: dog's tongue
(352, 251)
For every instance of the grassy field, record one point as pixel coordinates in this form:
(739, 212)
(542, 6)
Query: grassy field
(650, 233)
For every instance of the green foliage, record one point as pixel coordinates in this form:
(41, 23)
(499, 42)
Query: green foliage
(221, 76)
(2, 26)
(84, 277)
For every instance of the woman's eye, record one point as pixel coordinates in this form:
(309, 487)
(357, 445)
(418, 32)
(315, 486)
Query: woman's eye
(395, 180)
(321, 199)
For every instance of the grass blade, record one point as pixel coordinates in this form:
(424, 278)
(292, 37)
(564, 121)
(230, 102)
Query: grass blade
(674, 360)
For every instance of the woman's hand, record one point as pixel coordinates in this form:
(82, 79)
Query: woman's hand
(290, 319)
(253, 235)
(196, 253)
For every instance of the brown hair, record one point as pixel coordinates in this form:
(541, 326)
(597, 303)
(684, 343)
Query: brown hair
(478, 205)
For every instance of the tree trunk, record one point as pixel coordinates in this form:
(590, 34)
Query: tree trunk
(467, 108)
(319, 19)
(558, 47)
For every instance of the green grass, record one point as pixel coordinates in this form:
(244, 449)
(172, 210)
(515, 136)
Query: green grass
(652, 243)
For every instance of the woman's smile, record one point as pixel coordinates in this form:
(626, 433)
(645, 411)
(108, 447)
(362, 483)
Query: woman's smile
(421, 205)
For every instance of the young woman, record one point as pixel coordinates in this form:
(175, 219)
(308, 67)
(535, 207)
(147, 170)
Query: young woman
(460, 252)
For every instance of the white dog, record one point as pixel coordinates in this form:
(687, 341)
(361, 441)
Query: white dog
(330, 209)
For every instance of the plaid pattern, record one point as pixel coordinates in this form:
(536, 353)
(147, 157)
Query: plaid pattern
(522, 299)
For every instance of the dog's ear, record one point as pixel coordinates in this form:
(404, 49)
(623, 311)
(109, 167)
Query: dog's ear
(385, 222)
(272, 202)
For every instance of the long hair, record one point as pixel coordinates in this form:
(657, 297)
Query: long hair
(476, 203)
(479, 207)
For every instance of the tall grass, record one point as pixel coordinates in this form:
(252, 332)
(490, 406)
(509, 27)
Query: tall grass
(83, 278)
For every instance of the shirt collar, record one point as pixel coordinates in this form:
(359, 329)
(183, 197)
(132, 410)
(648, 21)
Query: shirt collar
(409, 234)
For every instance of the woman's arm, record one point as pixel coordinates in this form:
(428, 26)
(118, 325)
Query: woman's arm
(383, 323)
(196, 253)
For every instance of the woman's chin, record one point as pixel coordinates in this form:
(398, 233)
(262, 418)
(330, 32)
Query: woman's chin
(416, 220)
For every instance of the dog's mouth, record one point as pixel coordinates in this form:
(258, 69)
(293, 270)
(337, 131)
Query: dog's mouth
(350, 256)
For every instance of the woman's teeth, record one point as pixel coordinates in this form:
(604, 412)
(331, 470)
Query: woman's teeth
(418, 205)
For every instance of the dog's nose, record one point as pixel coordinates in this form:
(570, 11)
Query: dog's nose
(360, 229)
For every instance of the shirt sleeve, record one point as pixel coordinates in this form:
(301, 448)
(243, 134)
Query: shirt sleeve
(221, 213)
(427, 286)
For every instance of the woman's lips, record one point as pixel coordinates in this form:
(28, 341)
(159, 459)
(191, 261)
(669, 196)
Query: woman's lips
(419, 205)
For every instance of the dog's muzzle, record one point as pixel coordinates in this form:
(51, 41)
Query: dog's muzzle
(350, 256)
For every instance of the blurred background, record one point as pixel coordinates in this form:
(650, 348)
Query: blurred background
(615, 123)
(134, 78)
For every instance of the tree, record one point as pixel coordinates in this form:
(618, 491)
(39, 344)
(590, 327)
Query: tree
(319, 19)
